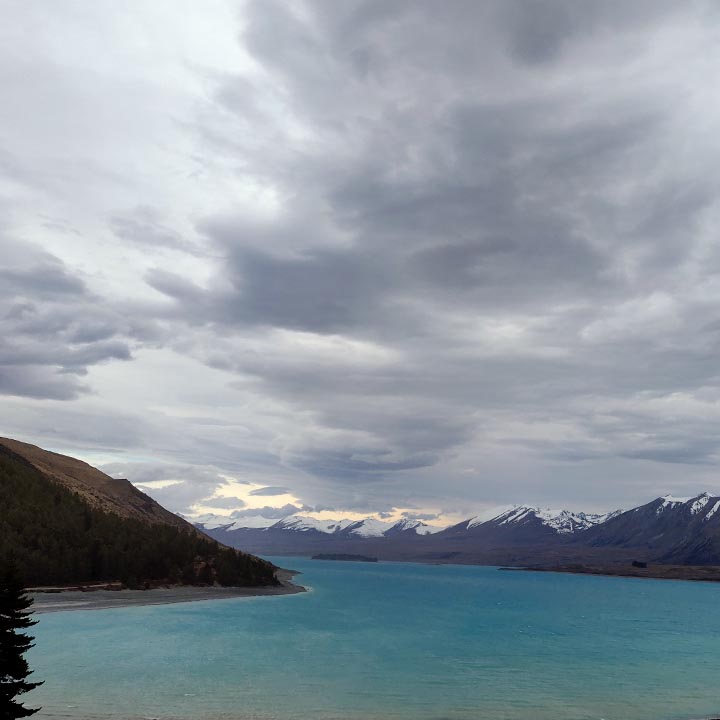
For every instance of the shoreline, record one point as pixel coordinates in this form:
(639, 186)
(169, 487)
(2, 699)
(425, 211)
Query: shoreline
(653, 571)
(685, 573)
(48, 602)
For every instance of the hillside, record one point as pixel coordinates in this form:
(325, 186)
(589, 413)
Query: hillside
(99, 490)
(65, 522)
(680, 531)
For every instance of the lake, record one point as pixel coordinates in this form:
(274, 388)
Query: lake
(395, 641)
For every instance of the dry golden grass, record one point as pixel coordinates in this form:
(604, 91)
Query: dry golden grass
(98, 489)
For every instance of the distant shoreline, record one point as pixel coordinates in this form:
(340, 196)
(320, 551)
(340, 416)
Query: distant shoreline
(347, 557)
(689, 573)
(107, 599)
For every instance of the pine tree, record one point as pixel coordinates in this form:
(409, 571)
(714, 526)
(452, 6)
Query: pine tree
(14, 643)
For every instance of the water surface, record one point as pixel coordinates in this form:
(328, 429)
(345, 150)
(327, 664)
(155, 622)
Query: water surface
(396, 641)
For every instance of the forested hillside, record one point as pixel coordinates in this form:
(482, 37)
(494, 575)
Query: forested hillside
(57, 537)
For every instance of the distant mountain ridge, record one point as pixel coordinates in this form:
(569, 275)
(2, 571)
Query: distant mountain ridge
(367, 527)
(672, 530)
(530, 521)
(561, 521)
(668, 530)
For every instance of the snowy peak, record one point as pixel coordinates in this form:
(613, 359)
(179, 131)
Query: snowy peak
(669, 501)
(304, 523)
(413, 527)
(215, 522)
(210, 522)
(563, 522)
(365, 528)
(369, 527)
(699, 503)
(531, 521)
(566, 522)
(705, 503)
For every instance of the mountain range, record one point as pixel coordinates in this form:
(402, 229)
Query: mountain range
(683, 531)
(67, 522)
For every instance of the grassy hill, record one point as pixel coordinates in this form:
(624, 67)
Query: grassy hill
(65, 522)
(97, 489)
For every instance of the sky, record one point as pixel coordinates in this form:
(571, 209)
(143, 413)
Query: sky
(400, 259)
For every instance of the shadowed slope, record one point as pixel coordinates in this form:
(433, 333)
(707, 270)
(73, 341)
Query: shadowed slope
(62, 529)
(95, 487)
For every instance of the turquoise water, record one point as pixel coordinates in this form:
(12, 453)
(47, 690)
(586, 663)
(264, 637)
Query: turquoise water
(396, 641)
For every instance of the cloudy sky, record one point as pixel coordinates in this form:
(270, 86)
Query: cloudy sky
(364, 257)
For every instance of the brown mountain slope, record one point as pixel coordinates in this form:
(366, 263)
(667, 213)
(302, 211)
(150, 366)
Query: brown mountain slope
(63, 522)
(99, 490)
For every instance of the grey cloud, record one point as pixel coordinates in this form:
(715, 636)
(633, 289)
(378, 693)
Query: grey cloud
(482, 252)
(510, 208)
(53, 326)
(143, 227)
(419, 516)
(224, 503)
(38, 382)
(324, 292)
(48, 279)
(93, 331)
(272, 513)
(180, 497)
(539, 33)
(351, 465)
(174, 286)
(270, 490)
(141, 473)
(72, 428)
(693, 453)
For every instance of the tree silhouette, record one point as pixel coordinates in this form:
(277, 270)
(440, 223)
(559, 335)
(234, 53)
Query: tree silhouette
(14, 643)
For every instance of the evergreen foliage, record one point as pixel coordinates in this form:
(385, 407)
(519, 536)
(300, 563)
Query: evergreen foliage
(57, 538)
(14, 643)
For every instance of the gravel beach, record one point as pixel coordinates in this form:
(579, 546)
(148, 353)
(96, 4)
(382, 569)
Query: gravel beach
(45, 602)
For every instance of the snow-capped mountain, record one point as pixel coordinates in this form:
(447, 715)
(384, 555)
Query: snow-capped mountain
(704, 503)
(365, 528)
(213, 522)
(560, 521)
(563, 522)
(412, 527)
(682, 530)
(304, 524)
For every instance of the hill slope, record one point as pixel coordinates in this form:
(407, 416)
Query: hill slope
(63, 528)
(683, 531)
(99, 490)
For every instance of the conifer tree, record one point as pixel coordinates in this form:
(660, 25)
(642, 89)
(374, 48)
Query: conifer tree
(14, 643)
